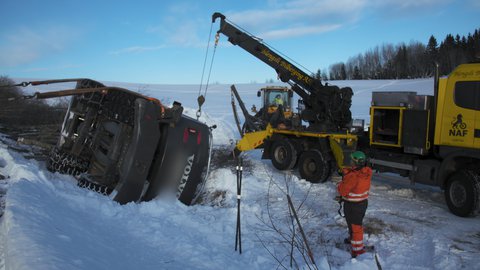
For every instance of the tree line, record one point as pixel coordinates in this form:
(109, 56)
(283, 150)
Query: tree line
(402, 61)
(18, 111)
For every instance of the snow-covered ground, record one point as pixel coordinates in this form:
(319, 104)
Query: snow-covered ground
(50, 223)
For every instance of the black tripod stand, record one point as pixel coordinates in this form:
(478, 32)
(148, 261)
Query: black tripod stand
(238, 235)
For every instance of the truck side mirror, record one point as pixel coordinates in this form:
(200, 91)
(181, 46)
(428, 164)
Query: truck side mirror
(259, 94)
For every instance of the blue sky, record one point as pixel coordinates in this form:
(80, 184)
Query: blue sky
(165, 41)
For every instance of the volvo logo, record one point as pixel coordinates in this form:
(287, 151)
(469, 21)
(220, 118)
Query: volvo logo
(186, 174)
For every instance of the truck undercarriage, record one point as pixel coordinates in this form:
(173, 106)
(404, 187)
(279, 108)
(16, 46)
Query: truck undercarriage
(129, 146)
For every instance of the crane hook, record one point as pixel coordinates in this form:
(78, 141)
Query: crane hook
(200, 100)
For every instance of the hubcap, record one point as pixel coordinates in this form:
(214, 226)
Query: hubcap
(458, 194)
(280, 154)
(311, 166)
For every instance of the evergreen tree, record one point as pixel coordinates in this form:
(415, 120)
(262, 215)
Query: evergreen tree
(401, 63)
(324, 75)
(409, 61)
(356, 73)
(343, 72)
(473, 46)
(447, 54)
(318, 75)
(432, 50)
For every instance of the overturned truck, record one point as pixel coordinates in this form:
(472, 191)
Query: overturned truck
(129, 146)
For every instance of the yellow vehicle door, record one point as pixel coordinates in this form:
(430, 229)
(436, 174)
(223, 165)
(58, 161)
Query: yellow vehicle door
(461, 117)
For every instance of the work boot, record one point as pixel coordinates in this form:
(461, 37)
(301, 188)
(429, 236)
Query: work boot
(358, 252)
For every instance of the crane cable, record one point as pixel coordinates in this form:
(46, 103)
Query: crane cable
(201, 98)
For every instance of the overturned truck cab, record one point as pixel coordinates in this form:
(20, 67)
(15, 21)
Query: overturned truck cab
(129, 146)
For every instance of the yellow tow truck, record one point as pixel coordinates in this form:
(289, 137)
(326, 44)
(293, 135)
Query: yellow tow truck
(433, 140)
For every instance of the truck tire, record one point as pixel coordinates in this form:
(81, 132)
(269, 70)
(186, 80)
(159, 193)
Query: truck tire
(283, 154)
(62, 162)
(462, 193)
(313, 166)
(119, 106)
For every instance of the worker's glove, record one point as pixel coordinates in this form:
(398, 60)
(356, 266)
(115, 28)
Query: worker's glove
(338, 198)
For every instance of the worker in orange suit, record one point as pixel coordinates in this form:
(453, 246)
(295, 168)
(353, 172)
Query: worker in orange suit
(353, 190)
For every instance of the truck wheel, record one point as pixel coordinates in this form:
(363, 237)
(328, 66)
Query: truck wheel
(119, 106)
(462, 193)
(62, 162)
(283, 154)
(313, 166)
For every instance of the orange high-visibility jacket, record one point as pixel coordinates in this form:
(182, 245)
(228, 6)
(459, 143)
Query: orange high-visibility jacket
(355, 184)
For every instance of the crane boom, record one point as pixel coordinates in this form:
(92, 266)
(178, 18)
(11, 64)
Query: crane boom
(327, 106)
(286, 71)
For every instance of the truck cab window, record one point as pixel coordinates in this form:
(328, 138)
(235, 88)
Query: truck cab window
(467, 94)
(276, 98)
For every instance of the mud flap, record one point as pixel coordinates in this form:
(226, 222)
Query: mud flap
(139, 156)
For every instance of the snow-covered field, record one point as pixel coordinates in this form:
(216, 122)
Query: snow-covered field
(50, 223)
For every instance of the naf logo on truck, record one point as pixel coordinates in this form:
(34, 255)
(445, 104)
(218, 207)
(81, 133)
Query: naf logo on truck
(459, 128)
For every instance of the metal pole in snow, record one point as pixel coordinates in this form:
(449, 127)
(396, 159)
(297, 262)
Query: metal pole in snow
(238, 235)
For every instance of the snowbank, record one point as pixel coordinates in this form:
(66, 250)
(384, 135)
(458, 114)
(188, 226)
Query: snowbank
(50, 223)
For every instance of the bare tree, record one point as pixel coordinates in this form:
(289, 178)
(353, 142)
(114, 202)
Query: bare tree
(15, 109)
(281, 233)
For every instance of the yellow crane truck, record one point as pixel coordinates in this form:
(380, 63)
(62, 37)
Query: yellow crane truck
(317, 148)
(432, 140)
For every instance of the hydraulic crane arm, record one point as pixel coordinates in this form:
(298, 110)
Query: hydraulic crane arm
(286, 71)
(327, 107)
(251, 123)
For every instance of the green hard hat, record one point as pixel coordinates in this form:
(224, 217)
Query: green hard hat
(358, 157)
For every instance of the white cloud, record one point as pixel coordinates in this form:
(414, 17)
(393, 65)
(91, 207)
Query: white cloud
(300, 17)
(301, 11)
(406, 7)
(25, 45)
(179, 29)
(185, 25)
(298, 31)
(280, 19)
(287, 18)
(137, 49)
(474, 3)
(407, 4)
